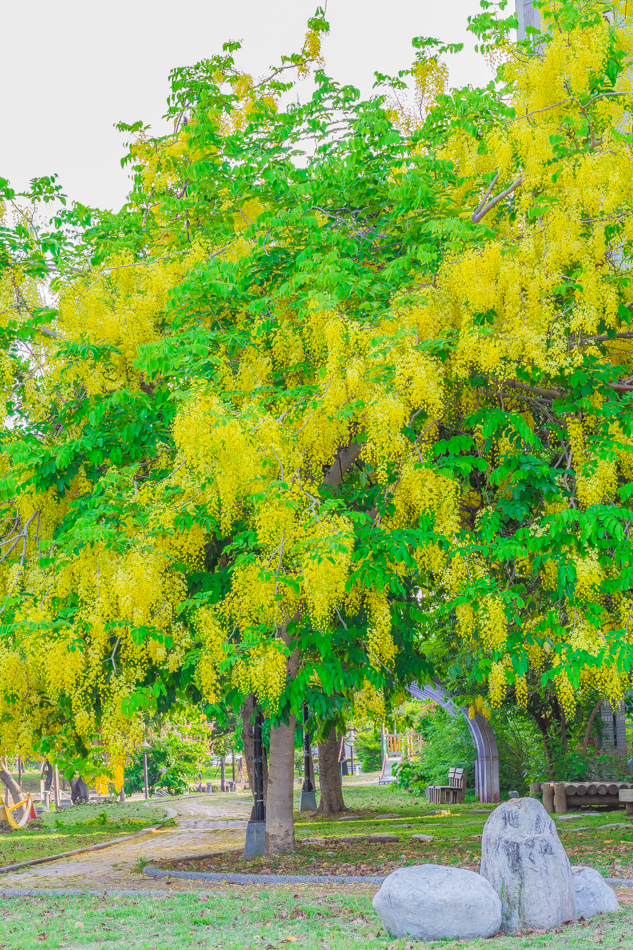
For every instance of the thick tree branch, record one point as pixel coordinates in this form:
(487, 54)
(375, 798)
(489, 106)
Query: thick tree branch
(345, 458)
(605, 338)
(481, 212)
(535, 390)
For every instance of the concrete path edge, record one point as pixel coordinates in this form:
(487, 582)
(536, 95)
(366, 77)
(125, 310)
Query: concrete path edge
(150, 871)
(103, 892)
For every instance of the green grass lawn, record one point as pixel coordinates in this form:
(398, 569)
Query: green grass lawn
(264, 920)
(456, 832)
(77, 827)
(316, 918)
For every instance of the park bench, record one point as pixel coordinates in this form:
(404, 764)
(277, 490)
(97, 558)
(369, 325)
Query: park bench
(558, 797)
(452, 794)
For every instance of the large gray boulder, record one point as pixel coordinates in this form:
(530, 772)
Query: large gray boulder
(524, 860)
(593, 894)
(431, 902)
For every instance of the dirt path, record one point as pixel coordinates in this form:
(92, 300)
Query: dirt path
(204, 825)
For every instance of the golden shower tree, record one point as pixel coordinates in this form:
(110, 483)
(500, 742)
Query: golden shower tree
(340, 382)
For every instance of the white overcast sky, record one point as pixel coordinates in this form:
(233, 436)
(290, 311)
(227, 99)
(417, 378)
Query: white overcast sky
(71, 69)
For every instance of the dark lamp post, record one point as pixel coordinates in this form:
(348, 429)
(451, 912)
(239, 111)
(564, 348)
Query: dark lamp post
(256, 828)
(307, 799)
(145, 746)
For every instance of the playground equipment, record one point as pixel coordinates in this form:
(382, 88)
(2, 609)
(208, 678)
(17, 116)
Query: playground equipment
(6, 813)
(394, 748)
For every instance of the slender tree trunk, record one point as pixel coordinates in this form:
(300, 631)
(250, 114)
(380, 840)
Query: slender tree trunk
(592, 718)
(12, 787)
(542, 727)
(331, 802)
(247, 740)
(563, 731)
(280, 831)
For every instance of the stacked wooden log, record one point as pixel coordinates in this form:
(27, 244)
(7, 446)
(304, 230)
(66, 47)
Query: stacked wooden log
(559, 796)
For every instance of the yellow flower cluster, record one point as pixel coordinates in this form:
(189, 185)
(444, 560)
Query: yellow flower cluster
(565, 692)
(263, 672)
(213, 638)
(521, 691)
(369, 704)
(431, 79)
(479, 706)
(380, 645)
(497, 683)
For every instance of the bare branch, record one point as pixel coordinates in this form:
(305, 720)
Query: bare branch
(488, 193)
(481, 212)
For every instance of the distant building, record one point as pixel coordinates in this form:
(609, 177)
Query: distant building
(527, 16)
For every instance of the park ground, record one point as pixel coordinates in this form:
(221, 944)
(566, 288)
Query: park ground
(171, 913)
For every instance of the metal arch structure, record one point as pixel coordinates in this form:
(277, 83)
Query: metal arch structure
(487, 767)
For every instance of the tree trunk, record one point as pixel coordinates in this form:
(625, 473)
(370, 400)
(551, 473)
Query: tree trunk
(331, 802)
(563, 731)
(280, 831)
(47, 775)
(79, 791)
(280, 824)
(542, 725)
(12, 786)
(247, 740)
(592, 717)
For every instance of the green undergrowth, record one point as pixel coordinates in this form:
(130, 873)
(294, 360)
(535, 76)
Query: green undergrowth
(77, 827)
(268, 920)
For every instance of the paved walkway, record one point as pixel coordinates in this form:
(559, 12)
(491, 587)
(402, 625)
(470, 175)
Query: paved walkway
(204, 824)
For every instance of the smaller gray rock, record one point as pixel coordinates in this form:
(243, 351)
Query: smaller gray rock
(378, 837)
(593, 894)
(422, 837)
(435, 902)
(513, 794)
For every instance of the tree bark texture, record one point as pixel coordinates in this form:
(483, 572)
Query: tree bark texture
(280, 824)
(247, 741)
(331, 802)
(79, 791)
(14, 789)
(280, 830)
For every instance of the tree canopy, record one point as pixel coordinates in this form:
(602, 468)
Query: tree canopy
(339, 397)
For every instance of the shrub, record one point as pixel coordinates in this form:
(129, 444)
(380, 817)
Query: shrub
(174, 759)
(367, 749)
(446, 744)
